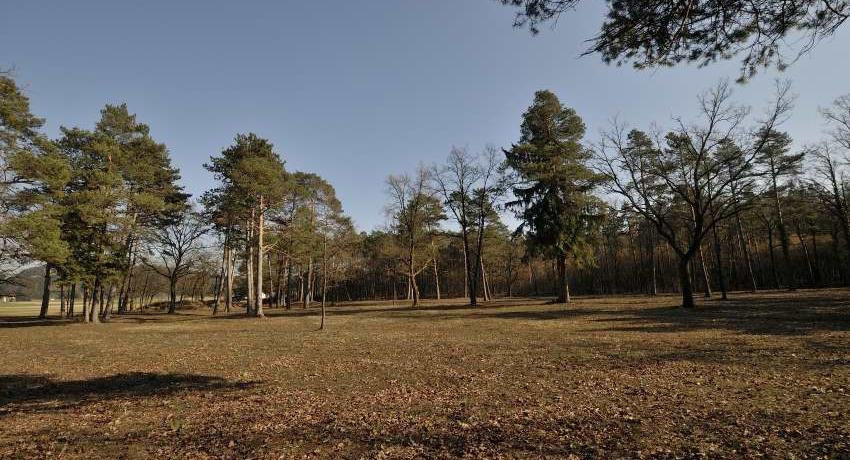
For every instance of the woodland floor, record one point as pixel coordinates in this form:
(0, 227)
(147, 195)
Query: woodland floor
(761, 375)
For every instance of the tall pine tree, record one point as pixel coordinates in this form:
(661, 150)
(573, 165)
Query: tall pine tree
(553, 185)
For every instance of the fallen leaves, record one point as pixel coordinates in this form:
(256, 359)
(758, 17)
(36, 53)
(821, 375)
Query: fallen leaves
(609, 381)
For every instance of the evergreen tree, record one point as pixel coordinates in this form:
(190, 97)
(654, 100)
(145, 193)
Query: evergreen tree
(553, 184)
(254, 175)
(32, 176)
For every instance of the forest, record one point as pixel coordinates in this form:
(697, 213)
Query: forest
(724, 202)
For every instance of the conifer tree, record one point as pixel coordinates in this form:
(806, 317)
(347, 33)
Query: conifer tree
(32, 176)
(254, 175)
(553, 185)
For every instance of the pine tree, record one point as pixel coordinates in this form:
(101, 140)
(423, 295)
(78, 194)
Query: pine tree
(254, 175)
(33, 174)
(553, 185)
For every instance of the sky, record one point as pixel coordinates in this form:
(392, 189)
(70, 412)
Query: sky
(355, 91)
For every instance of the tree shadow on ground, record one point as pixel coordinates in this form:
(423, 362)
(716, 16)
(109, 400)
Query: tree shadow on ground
(421, 311)
(19, 321)
(30, 389)
(799, 313)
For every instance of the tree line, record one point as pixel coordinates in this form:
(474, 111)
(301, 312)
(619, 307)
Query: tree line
(722, 202)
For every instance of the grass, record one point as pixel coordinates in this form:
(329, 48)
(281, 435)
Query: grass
(765, 374)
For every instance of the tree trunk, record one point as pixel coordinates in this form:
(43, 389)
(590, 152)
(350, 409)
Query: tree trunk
(718, 257)
(436, 272)
(818, 279)
(228, 299)
(281, 267)
(110, 297)
(324, 280)
(748, 261)
(470, 287)
(72, 300)
(787, 270)
(805, 249)
(249, 301)
(308, 295)
(286, 298)
(654, 256)
(62, 300)
(705, 278)
(220, 280)
(85, 304)
(94, 316)
(532, 280)
(563, 286)
(258, 307)
(45, 293)
(685, 283)
(172, 294)
(772, 255)
(466, 285)
(484, 282)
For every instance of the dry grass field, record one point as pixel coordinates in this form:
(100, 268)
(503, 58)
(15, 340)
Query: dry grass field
(761, 375)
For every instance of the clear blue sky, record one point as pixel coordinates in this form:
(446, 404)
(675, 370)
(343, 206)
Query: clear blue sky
(351, 90)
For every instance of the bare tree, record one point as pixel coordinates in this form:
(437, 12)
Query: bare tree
(682, 185)
(830, 184)
(415, 213)
(455, 182)
(171, 249)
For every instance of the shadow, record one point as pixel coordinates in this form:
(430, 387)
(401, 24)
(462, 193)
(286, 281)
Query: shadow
(406, 310)
(30, 389)
(19, 321)
(798, 313)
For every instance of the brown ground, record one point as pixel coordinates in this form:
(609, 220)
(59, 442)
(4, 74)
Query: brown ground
(765, 374)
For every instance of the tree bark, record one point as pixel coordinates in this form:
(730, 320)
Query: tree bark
(228, 299)
(172, 294)
(308, 295)
(718, 256)
(45, 293)
(258, 307)
(94, 316)
(71, 300)
(704, 270)
(685, 283)
(249, 302)
(563, 286)
(748, 261)
(220, 280)
(772, 255)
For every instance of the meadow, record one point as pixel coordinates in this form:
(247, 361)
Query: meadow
(764, 374)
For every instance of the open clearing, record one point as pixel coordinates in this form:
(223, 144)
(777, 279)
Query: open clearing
(630, 376)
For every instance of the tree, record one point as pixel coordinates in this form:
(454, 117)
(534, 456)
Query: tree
(553, 184)
(149, 183)
(172, 248)
(830, 184)
(778, 164)
(830, 179)
(659, 33)
(683, 183)
(122, 184)
(455, 182)
(483, 205)
(338, 237)
(33, 175)
(253, 174)
(415, 213)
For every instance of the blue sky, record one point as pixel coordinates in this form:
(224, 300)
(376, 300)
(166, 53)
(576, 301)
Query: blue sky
(353, 91)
